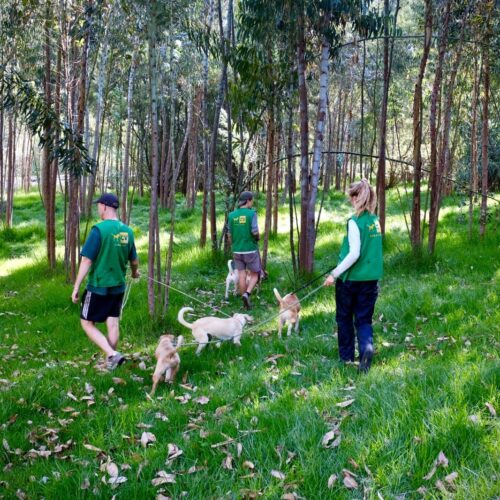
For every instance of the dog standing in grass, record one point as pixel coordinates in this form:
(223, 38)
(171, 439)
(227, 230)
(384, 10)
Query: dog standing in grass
(289, 311)
(168, 359)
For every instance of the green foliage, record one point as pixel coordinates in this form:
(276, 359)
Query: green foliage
(63, 142)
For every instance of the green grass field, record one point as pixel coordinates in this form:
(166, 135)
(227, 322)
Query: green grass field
(253, 422)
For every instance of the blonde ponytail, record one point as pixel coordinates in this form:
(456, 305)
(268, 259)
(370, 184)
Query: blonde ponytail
(366, 199)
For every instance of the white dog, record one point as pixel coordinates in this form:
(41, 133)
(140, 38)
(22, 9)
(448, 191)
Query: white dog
(210, 326)
(232, 278)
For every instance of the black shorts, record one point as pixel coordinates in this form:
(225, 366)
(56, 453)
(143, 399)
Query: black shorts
(97, 308)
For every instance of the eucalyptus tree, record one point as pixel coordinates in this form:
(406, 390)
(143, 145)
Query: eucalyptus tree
(318, 27)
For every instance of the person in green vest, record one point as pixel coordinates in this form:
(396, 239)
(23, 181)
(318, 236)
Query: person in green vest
(356, 276)
(108, 248)
(243, 232)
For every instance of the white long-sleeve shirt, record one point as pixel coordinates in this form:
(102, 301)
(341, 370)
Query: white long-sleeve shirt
(350, 259)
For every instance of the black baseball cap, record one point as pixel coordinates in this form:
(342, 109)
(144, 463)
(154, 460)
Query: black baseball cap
(244, 197)
(108, 199)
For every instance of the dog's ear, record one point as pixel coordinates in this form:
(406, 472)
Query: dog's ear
(248, 318)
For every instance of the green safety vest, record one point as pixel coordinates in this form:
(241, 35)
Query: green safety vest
(240, 226)
(369, 266)
(109, 268)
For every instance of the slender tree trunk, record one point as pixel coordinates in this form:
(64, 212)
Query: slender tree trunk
(361, 140)
(415, 235)
(485, 129)
(383, 116)
(317, 152)
(269, 191)
(473, 146)
(128, 134)
(11, 165)
(153, 212)
(191, 181)
(46, 161)
(435, 175)
(2, 165)
(304, 145)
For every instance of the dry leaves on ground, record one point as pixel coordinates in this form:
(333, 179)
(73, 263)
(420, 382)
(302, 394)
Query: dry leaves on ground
(441, 461)
(331, 481)
(163, 477)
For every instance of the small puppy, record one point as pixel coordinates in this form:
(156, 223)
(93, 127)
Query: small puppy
(289, 311)
(232, 278)
(222, 328)
(168, 360)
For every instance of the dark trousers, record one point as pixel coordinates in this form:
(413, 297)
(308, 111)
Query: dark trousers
(355, 305)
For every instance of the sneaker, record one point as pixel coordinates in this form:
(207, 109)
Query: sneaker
(246, 300)
(365, 361)
(115, 360)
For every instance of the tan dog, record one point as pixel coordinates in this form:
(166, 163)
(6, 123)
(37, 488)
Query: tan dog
(222, 328)
(168, 360)
(289, 311)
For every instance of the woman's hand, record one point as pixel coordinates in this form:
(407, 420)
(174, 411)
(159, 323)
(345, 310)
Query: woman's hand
(329, 281)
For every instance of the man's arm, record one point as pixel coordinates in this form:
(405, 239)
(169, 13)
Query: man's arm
(83, 270)
(255, 227)
(134, 266)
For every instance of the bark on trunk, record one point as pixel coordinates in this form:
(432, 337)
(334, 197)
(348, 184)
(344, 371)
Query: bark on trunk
(415, 235)
(128, 135)
(269, 190)
(153, 255)
(435, 175)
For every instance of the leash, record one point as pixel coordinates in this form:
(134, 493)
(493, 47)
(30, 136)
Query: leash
(313, 280)
(187, 295)
(254, 327)
(126, 295)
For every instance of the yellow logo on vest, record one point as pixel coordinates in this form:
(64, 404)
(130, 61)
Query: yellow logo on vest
(374, 227)
(121, 238)
(242, 219)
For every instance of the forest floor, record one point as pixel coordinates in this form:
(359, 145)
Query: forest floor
(277, 418)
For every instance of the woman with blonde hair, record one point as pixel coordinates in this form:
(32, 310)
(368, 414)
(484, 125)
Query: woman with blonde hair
(356, 276)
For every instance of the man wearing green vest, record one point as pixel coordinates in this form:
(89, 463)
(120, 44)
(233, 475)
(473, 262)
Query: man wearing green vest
(243, 232)
(109, 246)
(356, 276)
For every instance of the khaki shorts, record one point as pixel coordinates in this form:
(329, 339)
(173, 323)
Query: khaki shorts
(250, 261)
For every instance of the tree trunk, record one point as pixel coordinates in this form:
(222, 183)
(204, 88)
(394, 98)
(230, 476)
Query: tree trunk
(383, 116)
(304, 145)
(191, 181)
(11, 166)
(269, 190)
(485, 130)
(473, 146)
(317, 152)
(435, 174)
(128, 133)
(153, 211)
(99, 118)
(415, 236)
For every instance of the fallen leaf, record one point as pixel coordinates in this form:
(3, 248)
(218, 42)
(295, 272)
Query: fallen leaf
(173, 452)
(142, 425)
(71, 396)
(441, 487)
(331, 481)
(6, 445)
(202, 400)
(92, 448)
(143, 366)
(88, 388)
(450, 478)
(442, 460)
(350, 482)
(278, 475)
(112, 469)
(289, 496)
(85, 484)
(491, 409)
(227, 463)
(344, 404)
(248, 465)
(118, 381)
(146, 438)
(163, 477)
(117, 480)
(353, 463)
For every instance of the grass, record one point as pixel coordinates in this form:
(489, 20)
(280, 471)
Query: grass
(436, 367)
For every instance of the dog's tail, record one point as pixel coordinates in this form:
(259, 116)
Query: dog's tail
(278, 296)
(230, 266)
(180, 317)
